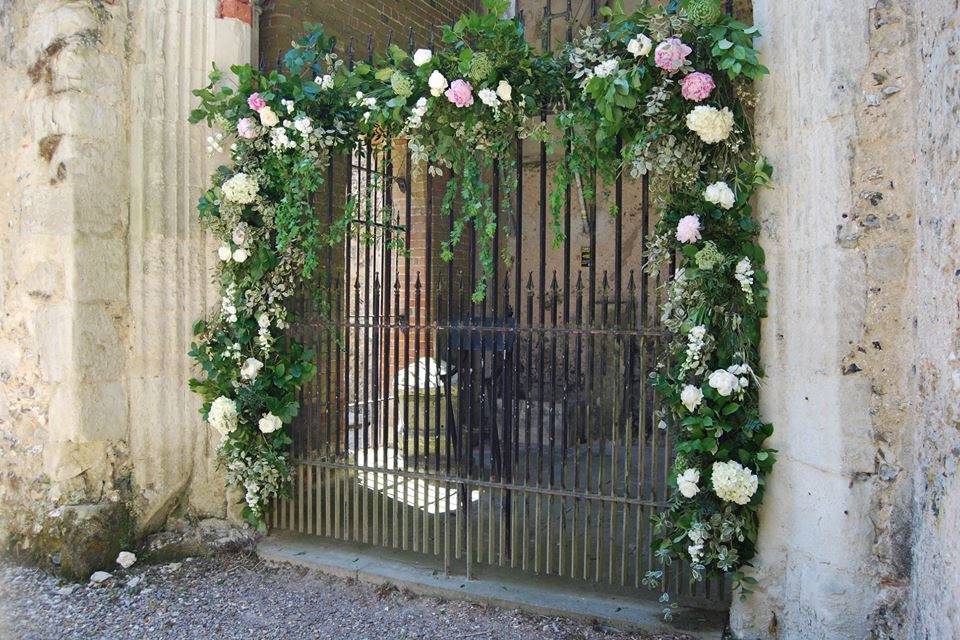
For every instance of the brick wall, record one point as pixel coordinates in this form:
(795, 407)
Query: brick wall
(282, 21)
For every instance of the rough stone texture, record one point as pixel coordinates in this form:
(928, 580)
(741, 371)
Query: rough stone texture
(102, 265)
(934, 591)
(208, 537)
(77, 540)
(863, 320)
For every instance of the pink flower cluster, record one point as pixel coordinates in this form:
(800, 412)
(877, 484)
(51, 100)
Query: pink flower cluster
(697, 86)
(671, 54)
(256, 102)
(460, 93)
(688, 229)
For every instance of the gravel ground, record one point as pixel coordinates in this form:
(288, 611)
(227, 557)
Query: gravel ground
(241, 597)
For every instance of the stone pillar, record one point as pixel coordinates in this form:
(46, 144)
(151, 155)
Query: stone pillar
(860, 274)
(104, 268)
(171, 450)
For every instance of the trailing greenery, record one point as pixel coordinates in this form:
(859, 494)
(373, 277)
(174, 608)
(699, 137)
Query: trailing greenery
(664, 91)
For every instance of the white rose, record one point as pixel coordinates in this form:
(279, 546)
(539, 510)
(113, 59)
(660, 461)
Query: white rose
(687, 483)
(422, 57)
(437, 83)
(250, 369)
(504, 91)
(263, 320)
(224, 252)
(240, 255)
(720, 194)
(269, 423)
(640, 46)
(691, 397)
(268, 118)
(723, 381)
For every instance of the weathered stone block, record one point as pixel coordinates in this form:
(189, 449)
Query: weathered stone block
(77, 540)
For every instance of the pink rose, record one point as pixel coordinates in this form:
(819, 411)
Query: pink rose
(460, 93)
(671, 54)
(688, 229)
(697, 86)
(255, 102)
(247, 128)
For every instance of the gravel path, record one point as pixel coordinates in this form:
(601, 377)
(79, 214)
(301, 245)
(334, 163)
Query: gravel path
(241, 597)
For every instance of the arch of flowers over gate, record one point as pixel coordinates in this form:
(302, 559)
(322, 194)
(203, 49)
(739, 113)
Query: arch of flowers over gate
(664, 90)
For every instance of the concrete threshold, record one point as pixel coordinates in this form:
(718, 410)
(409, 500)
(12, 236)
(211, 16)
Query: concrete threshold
(527, 594)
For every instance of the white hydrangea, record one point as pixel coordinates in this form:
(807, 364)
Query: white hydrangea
(691, 397)
(240, 189)
(720, 194)
(223, 415)
(711, 124)
(732, 482)
(744, 275)
(422, 57)
(489, 98)
(304, 125)
(687, 483)
(606, 68)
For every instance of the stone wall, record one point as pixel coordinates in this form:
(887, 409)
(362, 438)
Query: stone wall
(856, 119)
(934, 579)
(103, 266)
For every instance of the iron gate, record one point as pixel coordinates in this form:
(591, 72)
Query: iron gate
(517, 433)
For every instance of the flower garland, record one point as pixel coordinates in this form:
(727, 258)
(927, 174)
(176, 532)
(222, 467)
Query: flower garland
(663, 91)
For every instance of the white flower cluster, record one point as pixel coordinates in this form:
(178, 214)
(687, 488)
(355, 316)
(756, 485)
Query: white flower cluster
(228, 307)
(687, 483)
(279, 139)
(223, 415)
(250, 369)
(640, 45)
(325, 81)
(416, 115)
(269, 423)
(696, 340)
(698, 537)
(259, 478)
(213, 143)
(239, 238)
(240, 189)
(732, 482)
(711, 124)
(733, 379)
(606, 68)
(720, 194)
(744, 275)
